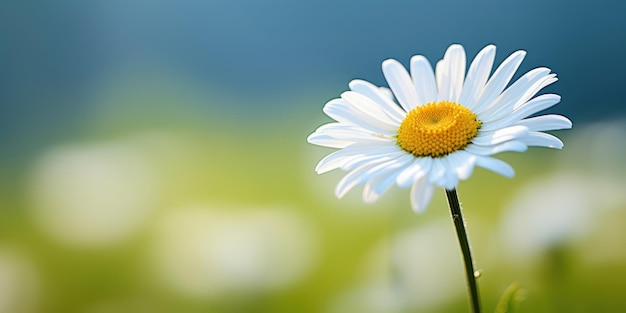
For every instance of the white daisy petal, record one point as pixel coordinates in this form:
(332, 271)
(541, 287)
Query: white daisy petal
(499, 80)
(517, 92)
(333, 160)
(420, 167)
(437, 171)
(450, 178)
(363, 159)
(514, 145)
(500, 135)
(369, 110)
(374, 188)
(366, 105)
(354, 178)
(537, 104)
(389, 94)
(540, 139)
(337, 135)
(464, 164)
(345, 131)
(533, 106)
(451, 73)
(401, 84)
(546, 122)
(495, 165)
(327, 141)
(407, 176)
(517, 101)
(366, 172)
(439, 70)
(423, 79)
(343, 112)
(477, 76)
(338, 158)
(421, 193)
(382, 97)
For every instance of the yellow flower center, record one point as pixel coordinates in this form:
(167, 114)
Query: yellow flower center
(437, 129)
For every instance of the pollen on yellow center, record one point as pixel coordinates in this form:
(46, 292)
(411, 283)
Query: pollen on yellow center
(437, 129)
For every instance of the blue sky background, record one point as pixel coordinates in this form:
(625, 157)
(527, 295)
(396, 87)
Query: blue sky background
(261, 58)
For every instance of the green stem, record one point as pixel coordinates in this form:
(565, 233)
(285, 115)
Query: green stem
(457, 218)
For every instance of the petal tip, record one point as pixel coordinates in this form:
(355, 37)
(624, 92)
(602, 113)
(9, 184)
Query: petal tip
(391, 67)
(311, 138)
(418, 58)
(319, 170)
(389, 62)
(355, 82)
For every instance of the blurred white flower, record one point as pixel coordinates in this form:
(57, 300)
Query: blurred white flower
(572, 204)
(598, 150)
(19, 283)
(579, 205)
(93, 194)
(208, 252)
(415, 269)
(560, 209)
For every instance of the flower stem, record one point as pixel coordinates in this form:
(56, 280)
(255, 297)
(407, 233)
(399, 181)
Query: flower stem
(459, 224)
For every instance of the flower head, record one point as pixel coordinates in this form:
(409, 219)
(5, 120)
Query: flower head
(432, 127)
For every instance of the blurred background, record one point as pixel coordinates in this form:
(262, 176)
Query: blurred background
(153, 159)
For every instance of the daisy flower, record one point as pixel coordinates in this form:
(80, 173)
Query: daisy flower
(431, 128)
